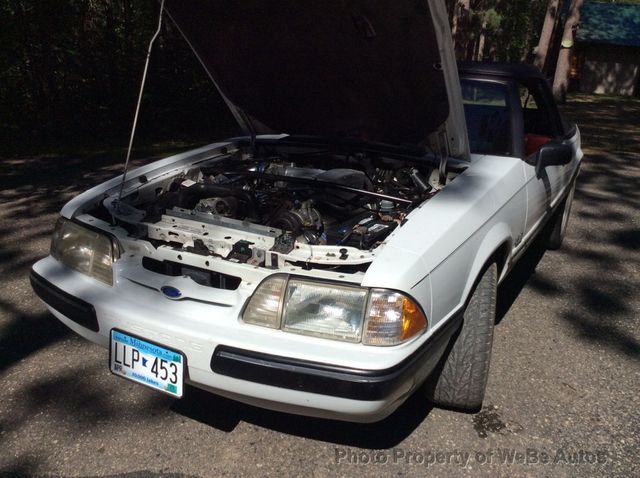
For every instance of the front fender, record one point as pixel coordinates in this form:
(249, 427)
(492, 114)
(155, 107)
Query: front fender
(497, 241)
(483, 210)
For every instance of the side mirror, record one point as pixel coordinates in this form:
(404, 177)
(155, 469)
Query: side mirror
(553, 154)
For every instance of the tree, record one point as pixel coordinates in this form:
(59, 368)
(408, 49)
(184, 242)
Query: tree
(460, 26)
(563, 67)
(69, 74)
(497, 30)
(548, 27)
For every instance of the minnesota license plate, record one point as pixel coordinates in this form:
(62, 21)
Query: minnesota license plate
(147, 363)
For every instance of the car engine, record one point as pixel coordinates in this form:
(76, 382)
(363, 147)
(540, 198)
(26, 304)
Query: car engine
(281, 203)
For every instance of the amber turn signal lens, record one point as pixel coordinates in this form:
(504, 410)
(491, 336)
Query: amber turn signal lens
(392, 318)
(413, 320)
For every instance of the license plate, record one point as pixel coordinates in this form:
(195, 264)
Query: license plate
(147, 363)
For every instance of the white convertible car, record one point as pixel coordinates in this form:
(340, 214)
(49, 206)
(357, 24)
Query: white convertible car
(345, 252)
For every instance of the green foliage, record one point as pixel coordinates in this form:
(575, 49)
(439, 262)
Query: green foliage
(508, 29)
(511, 27)
(70, 72)
(492, 19)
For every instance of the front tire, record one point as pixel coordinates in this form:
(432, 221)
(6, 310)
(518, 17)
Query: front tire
(462, 379)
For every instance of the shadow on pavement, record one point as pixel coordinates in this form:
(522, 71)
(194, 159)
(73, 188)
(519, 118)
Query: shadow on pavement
(521, 274)
(25, 334)
(225, 414)
(20, 468)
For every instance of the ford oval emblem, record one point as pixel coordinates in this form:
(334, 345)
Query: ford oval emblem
(171, 292)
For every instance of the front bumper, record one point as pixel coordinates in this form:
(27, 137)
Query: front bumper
(221, 362)
(76, 310)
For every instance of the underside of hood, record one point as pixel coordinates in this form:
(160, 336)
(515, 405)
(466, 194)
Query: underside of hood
(380, 71)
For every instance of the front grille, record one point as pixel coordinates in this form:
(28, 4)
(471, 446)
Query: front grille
(203, 277)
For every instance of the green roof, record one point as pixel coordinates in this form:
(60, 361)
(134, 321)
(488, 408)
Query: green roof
(610, 23)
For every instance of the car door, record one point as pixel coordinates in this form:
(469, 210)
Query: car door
(541, 124)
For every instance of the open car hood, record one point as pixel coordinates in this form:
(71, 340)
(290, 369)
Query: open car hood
(380, 71)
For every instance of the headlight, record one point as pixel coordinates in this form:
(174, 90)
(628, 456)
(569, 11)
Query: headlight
(324, 310)
(83, 250)
(335, 311)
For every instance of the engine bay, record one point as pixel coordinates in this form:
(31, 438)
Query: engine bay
(275, 207)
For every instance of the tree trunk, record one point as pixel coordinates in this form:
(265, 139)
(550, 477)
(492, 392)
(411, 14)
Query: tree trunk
(460, 30)
(479, 55)
(548, 27)
(561, 78)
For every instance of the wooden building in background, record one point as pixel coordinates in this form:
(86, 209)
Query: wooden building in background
(607, 51)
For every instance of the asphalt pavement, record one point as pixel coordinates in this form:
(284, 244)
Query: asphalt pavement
(563, 392)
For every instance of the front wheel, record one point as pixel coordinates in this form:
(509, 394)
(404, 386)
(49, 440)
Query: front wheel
(461, 380)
